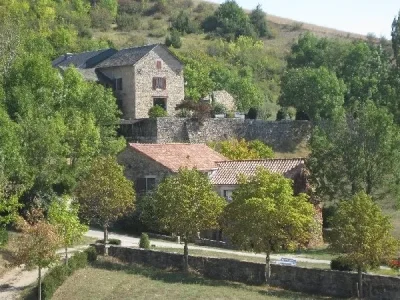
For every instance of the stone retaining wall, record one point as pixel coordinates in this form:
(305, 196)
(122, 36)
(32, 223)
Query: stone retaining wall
(315, 281)
(282, 136)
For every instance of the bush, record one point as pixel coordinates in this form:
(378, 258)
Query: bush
(144, 241)
(219, 108)
(252, 114)
(339, 265)
(128, 22)
(57, 275)
(110, 242)
(91, 254)
(174, 39)
(101, 18)
(3, 236)
(157, 112)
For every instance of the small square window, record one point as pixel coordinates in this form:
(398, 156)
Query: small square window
(117, 84)
(159, 83)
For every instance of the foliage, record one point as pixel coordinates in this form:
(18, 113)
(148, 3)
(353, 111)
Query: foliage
(218, 108)
(144, 241)
(265, 216)
(101, 18)
(317, 92)
(91, 254)
(259, 20)
(183, 24)
(252, 114)
(157, 112)
(173, 39)
(37, 244)
(128, 22)
(356, 153)
(229, 21)
(200, 111)
(396, 39)
(339, 265)
(186, 203)
(57, 275)
(362, 234)
(238, 149)
(105, 194)
(3, 236)
(63, 214)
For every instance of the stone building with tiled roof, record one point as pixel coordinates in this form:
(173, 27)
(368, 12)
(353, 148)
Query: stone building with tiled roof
(141, 77)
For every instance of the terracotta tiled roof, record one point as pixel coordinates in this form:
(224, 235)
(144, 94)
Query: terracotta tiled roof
(228, 171)
(175, 156)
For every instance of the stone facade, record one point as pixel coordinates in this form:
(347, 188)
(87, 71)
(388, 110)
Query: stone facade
(139, 166)
(282, 136)
(145, 70)
(307, 280)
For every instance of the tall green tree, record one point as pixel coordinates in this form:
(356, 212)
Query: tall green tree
(361, 234)
(396, 39)
(259, 20)
(63, 214)
(105, 194)
(356, 153)
(264, 215)
(185, 204)
(317, 92)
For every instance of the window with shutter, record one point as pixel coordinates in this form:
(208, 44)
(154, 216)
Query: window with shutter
(140, 185)
(159, 83)
(159, 65)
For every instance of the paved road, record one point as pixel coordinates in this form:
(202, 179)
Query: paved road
(127, 240)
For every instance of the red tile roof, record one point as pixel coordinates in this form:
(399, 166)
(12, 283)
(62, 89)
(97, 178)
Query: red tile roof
(175, 156)
(228, 171)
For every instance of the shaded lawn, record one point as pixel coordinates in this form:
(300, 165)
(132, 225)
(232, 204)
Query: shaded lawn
(110, 279)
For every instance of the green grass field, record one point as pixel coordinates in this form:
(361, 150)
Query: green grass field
(110, 279)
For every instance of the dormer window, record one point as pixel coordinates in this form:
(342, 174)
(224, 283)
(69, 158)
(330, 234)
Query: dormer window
(158, 64)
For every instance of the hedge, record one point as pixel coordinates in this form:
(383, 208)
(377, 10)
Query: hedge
(57, 275)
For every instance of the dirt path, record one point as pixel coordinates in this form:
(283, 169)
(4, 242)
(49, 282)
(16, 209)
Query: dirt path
(17, 279)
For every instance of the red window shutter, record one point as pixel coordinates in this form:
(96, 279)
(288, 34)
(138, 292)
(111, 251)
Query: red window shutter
(158, 64)
(164, 83)
(154, 83)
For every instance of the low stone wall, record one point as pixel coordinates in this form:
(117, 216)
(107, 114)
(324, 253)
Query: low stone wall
(213, 243)
(168, 238)
(316, 281)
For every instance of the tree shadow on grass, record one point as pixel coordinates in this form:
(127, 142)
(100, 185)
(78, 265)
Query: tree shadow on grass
(176, 276)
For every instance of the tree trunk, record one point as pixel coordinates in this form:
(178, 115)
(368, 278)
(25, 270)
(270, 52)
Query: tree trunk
(360, 283)
(40, 284)
(267, 266)
(66, 255)
(185, 256)
(105, 235)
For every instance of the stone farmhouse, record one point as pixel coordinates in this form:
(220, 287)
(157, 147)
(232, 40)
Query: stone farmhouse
(147, 164)
(141, 77)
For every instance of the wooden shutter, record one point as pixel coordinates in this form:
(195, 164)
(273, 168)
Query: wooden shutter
(154, 83)
(164, 83)
(158, 64)
(140, 185)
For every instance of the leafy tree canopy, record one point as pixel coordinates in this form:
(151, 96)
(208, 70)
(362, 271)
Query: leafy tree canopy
(238, 149)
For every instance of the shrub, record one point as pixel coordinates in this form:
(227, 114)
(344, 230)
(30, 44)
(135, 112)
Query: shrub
(101, 18)
(252, 114)
(174, 39)
(281, 114)
(3, 236)
(339, 265)
(91, 254)
(158, 33)
(110, 242)
(128, 22)
(144, 241)
(157, 112)
(301, 115)
(218, 108)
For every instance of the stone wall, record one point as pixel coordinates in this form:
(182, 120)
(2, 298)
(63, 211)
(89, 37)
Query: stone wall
(315, 281)
(282, 136)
